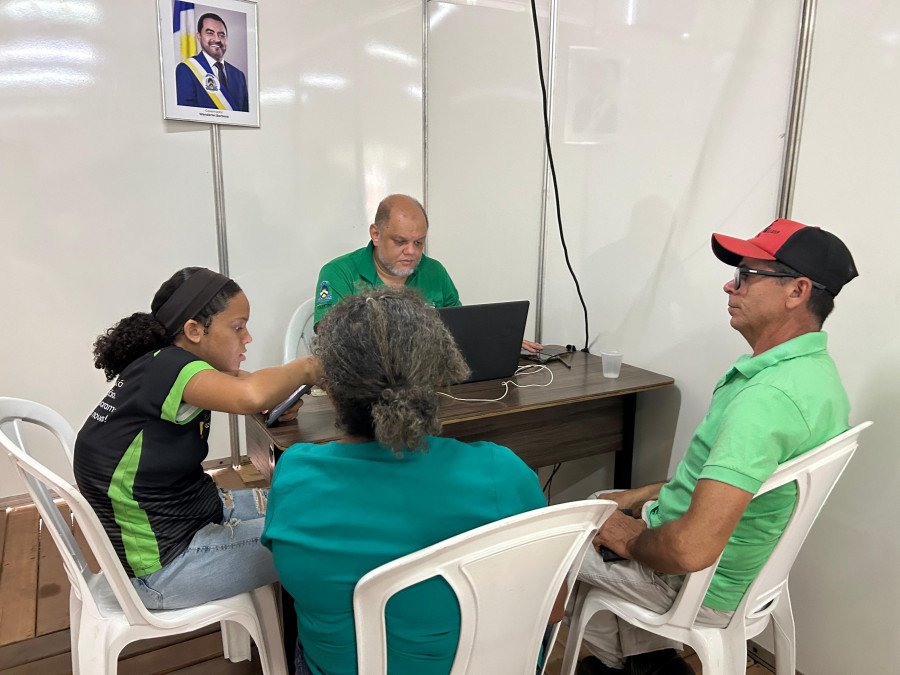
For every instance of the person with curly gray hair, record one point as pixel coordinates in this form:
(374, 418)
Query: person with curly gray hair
(389, 487)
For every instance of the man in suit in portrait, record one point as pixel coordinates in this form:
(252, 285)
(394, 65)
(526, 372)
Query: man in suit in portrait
(205, 80)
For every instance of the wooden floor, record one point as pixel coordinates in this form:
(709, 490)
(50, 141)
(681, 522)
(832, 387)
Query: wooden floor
(34, 612)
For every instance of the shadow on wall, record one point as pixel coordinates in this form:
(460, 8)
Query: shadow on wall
(632, 270)
(654, 435)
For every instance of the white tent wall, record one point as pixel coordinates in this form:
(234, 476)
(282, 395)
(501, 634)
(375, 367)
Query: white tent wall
(485, 148)
(844, 583)
(706, 118)
(341, 128)
(668, 124)
(104, 199)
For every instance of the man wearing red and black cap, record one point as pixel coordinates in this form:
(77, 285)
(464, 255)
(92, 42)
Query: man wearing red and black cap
(772, 405)
(787, 250)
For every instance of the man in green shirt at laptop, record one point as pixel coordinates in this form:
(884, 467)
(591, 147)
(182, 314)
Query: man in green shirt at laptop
(395, 256)
(771, 406)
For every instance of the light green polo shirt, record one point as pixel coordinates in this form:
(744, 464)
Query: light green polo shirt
(355, 273)
(765, 411)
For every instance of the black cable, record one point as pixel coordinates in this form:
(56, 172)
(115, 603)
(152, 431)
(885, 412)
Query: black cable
(562, 237)
(550, 479)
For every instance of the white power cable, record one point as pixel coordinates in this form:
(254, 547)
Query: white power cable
(532, 369)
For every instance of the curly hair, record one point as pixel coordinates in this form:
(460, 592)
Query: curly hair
(140, 333)
(383, 353)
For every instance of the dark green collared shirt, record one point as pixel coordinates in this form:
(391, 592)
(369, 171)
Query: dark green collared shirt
(355, 273)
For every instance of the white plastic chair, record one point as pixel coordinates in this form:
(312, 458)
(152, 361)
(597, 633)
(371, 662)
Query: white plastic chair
(506, 576)
(105, 612)
(299, 335)
(723, 651)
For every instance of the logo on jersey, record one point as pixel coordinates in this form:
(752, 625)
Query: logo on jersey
(324, 294)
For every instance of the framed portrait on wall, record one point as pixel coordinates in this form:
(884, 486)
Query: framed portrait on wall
(592, 108)
(209, 61)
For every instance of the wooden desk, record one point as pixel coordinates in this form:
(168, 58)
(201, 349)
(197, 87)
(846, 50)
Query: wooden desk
(580, 414)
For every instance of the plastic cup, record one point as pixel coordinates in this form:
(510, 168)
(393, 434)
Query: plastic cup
(612, 363)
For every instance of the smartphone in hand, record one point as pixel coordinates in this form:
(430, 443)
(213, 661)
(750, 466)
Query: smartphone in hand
(287, 403)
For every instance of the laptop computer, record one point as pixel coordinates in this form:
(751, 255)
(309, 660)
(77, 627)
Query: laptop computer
(489, 336)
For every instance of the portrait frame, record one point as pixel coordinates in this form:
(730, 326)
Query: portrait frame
(195, 88)
(592, 118)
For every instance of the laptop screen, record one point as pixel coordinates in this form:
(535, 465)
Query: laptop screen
(489, 336)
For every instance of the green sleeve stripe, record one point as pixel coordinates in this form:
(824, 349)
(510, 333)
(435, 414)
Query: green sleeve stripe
(141, 548)
(173, 400)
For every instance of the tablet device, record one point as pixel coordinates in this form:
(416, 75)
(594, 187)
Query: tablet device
(548, 353)
(279, 409)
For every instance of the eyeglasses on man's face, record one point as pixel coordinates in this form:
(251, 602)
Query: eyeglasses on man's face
(741, 272)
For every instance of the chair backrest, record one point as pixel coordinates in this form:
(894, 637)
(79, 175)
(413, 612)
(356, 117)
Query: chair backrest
(816, 472)
(91, 588)
(506, 576)
(15, 410)
(299, 335)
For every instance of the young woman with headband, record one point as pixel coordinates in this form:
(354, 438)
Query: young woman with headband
(138, 456)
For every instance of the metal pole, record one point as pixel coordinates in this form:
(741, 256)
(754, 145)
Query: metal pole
(425, 107)
(222, 241)
(798, 104)
(542, 242)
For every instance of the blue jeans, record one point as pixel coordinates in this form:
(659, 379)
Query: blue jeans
(221, 560)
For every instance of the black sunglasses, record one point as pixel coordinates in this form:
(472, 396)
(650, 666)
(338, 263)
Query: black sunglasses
(740, 272)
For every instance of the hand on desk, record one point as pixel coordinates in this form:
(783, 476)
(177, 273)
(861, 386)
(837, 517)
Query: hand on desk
(532, 347)
(633, 499)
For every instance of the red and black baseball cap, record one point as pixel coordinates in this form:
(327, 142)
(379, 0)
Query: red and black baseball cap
(809, 250)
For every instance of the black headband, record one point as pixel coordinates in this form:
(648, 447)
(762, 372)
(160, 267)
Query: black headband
(189, 298)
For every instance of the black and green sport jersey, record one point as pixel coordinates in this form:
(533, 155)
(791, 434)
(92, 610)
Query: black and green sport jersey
(138, 461)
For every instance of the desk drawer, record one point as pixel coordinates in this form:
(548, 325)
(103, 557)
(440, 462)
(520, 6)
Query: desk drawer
(545, 436)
